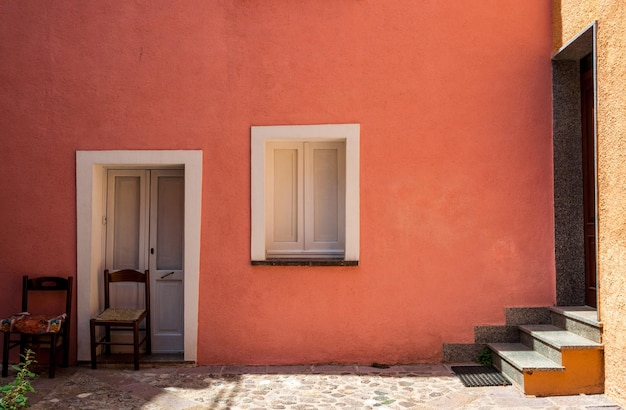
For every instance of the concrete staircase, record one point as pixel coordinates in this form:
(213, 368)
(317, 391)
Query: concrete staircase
(562, 357)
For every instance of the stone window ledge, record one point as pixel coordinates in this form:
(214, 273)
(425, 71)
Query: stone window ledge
(304, 262)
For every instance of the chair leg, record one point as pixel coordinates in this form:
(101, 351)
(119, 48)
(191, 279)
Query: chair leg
(148, 335)
(92, 336)
(136, 345)
(5, 354)
(107, 338)
(66, 349)
(24, 340)
(53, 355)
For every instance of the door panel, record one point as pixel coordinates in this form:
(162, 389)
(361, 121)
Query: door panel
(169, 315)
(126, 205)
(127, 239)
(169, 217)
(166, 259)
(145, 217)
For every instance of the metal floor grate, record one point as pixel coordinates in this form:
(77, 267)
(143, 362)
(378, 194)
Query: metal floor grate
(478, 376)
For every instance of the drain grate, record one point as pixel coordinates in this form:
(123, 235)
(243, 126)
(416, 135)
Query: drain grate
(478, 376)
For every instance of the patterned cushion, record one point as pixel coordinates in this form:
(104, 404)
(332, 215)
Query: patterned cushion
(32, 324)
(6, 325)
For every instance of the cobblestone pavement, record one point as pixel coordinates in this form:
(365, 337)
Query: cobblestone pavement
(285, 387)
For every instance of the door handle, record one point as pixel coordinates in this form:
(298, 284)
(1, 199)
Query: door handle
(166, 275)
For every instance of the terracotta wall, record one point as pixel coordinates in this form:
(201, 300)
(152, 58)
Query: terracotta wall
(454, 103)
(611, 122)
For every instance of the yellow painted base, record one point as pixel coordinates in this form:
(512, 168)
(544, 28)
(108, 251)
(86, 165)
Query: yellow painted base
(584, 374)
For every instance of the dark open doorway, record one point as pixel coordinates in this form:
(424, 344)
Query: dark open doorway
(574, 142)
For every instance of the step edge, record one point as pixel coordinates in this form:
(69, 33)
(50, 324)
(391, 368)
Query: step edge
(560, 310)
(536, 334)
(549, 366)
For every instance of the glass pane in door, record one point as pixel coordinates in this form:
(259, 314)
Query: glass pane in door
(127, 223)
(170, 219)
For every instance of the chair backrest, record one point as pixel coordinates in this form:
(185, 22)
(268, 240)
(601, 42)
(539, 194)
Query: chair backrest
(126, 275)
(49, 284)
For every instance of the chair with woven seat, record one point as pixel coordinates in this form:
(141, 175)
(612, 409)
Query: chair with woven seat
(122, 319)
(30, 329)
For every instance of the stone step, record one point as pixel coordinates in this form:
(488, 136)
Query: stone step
(462, 352)
(515, 360)
(550, 341)
(581, 371)
(582, 320)
(515, 316)
(523, 358)
(560, 350)
(496, 334)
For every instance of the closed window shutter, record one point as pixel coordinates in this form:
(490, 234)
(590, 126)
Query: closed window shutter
(305, 201)
(285, 196)
(325, 196)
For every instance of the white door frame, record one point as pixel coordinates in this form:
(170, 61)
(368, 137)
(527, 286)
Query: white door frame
(90, 199)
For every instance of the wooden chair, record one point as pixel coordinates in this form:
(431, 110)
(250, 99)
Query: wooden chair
(40, 331)
(115, 319)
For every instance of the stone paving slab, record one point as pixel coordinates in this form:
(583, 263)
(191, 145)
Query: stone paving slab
(285, 387)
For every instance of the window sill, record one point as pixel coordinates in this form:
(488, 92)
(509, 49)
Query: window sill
(304, 262)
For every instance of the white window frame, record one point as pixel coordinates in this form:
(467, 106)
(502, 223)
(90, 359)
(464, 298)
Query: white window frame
(261, 135)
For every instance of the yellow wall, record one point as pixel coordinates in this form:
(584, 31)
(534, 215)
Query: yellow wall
(570, 17)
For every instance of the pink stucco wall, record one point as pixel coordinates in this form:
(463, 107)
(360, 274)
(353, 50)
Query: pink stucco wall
(453, 99)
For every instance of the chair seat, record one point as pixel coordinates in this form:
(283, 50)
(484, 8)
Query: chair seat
(33, 324)
(120, 315)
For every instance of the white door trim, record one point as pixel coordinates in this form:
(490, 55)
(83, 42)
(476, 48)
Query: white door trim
(90, 199)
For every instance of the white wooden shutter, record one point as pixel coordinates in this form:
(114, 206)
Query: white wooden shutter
(325, 197)
(285, 194)
(305, 199)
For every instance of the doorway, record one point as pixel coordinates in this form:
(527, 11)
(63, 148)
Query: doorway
(575, 188)
(91, 189)
(145, 231)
